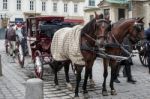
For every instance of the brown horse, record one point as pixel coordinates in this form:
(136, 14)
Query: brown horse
(90, 37)
(132, 27)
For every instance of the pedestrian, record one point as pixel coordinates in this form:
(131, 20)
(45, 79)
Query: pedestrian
(10, 37)
(127, 63)
(147, 34)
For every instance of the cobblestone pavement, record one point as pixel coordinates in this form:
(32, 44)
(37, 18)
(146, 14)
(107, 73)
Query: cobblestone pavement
(12, 83)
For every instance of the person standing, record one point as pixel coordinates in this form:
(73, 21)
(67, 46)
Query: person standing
(147, 34)
(127, 63)
(10, 37)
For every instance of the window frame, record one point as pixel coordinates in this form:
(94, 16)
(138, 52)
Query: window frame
(18, 7)
(65, 7)
(43, 5)
(32, 3)
(91, 2)
(5, 4)
(75, 8)
(54, 7)
(106, 11)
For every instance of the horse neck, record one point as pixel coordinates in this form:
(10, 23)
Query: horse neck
(122, 31)
(89, 39)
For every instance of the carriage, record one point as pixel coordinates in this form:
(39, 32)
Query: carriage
(40, 31)
(142, 48)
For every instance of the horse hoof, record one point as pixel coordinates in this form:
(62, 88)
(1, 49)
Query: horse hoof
(92, 83)
(113, 92)
(104, 93)
(69, 86)
(85, 91)
(57, 87)
(76, 96)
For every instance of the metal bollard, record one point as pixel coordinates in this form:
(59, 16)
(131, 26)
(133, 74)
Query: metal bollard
(0, 67)
(34, 89)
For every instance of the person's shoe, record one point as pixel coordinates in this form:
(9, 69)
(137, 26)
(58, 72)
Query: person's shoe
(132, 81)
(116, 80)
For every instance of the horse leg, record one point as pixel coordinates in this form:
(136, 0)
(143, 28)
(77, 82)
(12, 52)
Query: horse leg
(79, 69)
(85, 80)
(113, 77)
(105, 74)
(66, 68)
(56, 67)
(92, 83)
(88, 71)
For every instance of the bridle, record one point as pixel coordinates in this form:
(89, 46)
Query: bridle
(97, 25)
(137, 28)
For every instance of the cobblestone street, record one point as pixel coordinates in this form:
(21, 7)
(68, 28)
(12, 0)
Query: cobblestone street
(12, 83)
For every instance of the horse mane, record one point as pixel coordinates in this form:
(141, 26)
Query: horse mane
(122, 21)
(89, 27)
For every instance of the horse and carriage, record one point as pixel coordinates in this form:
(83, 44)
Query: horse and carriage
(53, 41)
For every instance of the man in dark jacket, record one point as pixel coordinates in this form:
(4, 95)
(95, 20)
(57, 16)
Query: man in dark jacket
(127, 63)
(147, 34)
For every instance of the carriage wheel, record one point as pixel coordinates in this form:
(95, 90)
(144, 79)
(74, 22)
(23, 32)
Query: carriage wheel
(38, 66)
(20, 56)
(143, 55)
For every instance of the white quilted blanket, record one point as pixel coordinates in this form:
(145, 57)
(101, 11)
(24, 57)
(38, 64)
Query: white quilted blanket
(65, 45)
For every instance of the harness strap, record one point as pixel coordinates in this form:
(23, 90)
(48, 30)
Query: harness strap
(126, 51)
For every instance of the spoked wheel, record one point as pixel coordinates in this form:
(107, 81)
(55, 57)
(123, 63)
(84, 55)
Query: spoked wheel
(143, 55)
(38, 66)
(20, 56)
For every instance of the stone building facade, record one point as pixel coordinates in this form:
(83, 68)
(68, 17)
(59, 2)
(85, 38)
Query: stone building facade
(126, 9)
(19, 10)
(140, 8)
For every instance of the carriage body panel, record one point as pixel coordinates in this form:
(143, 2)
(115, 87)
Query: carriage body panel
(37, 29)
(40, 31)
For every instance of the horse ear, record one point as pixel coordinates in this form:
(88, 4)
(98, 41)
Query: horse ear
(140, 19)
(96, 15)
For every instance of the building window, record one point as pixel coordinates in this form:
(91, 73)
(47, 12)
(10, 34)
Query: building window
(106, 12)
(18, 4)
(75, 8)
(55, 7)
(31, 5)
(91, 2)
(5, 4)
(91, 17)
(65, 7)
(43, 6)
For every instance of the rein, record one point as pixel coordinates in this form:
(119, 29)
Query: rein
(120, 45)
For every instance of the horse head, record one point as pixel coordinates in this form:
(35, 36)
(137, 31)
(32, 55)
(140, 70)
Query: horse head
(134, 27)
(98, 28)
(137, 30)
